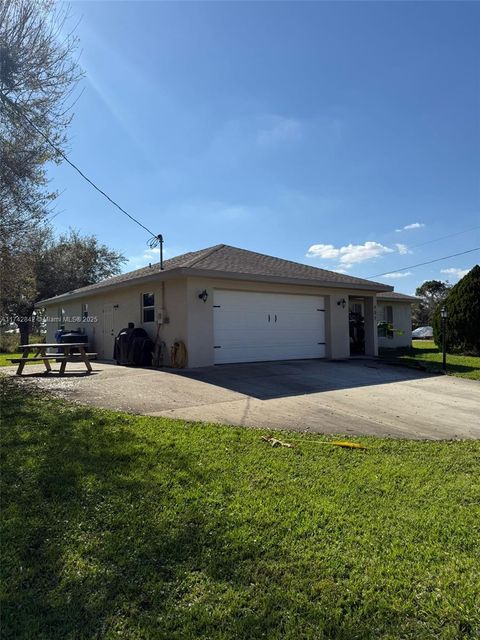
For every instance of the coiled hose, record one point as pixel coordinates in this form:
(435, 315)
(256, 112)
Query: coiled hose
(178, 355)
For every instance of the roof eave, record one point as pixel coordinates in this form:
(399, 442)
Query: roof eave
(212, 273)
(75, 295)
(228, 275)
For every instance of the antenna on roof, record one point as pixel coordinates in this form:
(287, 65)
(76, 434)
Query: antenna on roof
(160, 240)
(155, 242)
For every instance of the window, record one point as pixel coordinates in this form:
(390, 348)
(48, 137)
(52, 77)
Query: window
(84, 310)
(385, 327)
(148, 307)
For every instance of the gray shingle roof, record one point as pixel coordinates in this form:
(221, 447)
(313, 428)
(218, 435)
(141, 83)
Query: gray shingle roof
(224, 259)
(393, 295)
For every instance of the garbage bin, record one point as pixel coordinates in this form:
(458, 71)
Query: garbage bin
(74, 336)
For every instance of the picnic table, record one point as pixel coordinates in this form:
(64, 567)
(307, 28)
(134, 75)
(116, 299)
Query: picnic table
(67, 354)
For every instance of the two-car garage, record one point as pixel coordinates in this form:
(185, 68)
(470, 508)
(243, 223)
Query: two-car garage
(252, 326)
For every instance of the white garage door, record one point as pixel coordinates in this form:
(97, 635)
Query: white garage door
(251, 327)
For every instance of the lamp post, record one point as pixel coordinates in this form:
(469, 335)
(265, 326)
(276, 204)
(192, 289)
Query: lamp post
(443, 315)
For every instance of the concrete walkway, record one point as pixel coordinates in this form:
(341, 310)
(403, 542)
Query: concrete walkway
(353, 397)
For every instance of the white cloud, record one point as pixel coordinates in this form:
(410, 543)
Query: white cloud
(408, 227)
(398, 274)
(349, 254)
(456, 272)
(279, 129)
(402, 249)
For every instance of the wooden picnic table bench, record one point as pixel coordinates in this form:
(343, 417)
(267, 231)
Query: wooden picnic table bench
(41, 355)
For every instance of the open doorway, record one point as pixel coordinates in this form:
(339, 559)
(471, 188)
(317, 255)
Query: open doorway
(356, 321)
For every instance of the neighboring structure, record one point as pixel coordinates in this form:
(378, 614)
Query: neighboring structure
(226, 305)
(395, 310)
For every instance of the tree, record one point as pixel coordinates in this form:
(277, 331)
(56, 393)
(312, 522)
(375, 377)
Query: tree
(74, 261)
(37, 76)
(463, 320)
(38, 73)
(432, 293)
(55, 266)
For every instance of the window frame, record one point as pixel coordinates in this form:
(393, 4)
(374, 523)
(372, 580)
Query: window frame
(147, 308)
(388, 313)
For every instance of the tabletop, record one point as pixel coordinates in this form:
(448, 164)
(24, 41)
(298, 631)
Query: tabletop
(53, 345)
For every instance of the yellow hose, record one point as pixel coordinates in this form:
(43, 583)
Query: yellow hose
(178, 355)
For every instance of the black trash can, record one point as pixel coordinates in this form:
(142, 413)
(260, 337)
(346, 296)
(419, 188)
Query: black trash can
(72, 337)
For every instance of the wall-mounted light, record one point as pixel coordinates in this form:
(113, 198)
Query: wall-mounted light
(203, 296)
(342, 303)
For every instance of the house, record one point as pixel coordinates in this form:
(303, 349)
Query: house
(227, 305)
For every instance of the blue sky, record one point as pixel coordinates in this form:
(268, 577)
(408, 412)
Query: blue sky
(344, 135)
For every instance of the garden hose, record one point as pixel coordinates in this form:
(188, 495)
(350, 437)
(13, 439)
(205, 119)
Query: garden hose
(178, 355)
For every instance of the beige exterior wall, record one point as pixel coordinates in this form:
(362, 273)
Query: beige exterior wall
(170, 298)
(189, 319)
(371, 332)
(200, 315)
(402, 320)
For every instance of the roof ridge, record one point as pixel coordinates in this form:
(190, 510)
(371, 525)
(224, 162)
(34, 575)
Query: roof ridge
(204, 254)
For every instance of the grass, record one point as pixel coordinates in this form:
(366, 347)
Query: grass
(5, 359)
(133, 527)
(12, 351)
(426, 355)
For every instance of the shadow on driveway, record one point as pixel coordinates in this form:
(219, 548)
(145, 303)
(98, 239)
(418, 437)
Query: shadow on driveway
(265, 380)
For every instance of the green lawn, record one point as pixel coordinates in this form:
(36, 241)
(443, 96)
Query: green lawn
(131, 527)
(5, 357)
(425, 354)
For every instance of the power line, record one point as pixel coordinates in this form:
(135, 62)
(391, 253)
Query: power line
(450, 235)
(421, 264)
(154, 239)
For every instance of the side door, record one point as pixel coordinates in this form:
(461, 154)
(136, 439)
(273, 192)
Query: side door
(109, 331)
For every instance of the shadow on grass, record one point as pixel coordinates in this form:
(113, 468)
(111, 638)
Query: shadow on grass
(417, 358)
(86, 545)
(114, 530)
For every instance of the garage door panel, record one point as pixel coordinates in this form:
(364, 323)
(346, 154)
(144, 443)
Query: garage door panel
(251, 326)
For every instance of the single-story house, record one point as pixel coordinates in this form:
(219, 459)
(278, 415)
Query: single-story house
(231, 305)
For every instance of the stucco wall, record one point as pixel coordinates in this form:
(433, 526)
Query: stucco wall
(200, 315)
(402, 321)
(128, 308)
(189, 318)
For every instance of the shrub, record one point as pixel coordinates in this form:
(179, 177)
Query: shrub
(9, 342)
(463, 322)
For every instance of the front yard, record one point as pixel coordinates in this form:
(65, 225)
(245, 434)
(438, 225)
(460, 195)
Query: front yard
(424, 354)
(136, 527)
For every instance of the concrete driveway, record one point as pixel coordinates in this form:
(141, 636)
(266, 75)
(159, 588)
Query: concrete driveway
(353, 397)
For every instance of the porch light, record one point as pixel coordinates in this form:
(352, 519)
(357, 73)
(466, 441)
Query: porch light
(203, 296)
(342, 302)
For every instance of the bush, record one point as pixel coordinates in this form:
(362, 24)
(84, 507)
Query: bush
(9, 342)
(463, 322)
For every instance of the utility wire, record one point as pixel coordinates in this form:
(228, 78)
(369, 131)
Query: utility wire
(421, 264)
(450, 235)
(154, 239)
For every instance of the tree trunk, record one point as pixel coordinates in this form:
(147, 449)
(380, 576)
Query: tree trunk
(24, 331)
